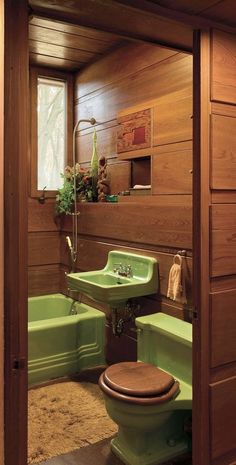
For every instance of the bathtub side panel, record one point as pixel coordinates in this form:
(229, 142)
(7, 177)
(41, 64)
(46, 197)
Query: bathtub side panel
(65, 345)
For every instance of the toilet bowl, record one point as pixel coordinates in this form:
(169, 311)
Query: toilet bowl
(151, 399)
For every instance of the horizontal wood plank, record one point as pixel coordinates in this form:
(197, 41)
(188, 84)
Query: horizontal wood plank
(43, 248)
(195, 6)
(58, 51)
(167, 226)
(221, 283)
(118, 65)
(106, 143)
(142, 200)
(45, 35)
(221, 372)
(223, 109)
(42, 217)
(155, 81)
(53, 62)
(223, 196)
(74, 29)
(43, 280)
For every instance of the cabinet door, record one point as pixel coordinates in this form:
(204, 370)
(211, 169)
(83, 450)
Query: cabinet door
(214, 374)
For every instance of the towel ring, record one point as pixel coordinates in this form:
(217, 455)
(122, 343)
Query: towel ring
(178, 256)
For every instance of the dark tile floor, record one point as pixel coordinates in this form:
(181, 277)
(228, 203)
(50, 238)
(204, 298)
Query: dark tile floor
(98, 454)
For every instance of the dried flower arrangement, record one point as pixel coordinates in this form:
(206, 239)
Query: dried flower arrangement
(86, 188)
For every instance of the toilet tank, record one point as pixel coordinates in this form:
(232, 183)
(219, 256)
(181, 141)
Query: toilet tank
(166, 342)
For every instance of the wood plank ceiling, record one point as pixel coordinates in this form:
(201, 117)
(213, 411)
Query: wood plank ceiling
(66, 46)
(81, 31)
(222, 11)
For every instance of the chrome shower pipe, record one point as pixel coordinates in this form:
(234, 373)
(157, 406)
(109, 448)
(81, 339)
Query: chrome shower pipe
(74, 245)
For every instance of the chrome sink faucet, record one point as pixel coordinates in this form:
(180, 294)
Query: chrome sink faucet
(123, 270)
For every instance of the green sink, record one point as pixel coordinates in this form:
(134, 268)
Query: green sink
(124, 276)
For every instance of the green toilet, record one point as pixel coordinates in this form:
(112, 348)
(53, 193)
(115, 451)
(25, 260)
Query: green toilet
(151, 399)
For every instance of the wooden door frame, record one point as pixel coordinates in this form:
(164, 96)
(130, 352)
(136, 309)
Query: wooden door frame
(16, 129)
(16, 142)
(1, 230)
(201, 272)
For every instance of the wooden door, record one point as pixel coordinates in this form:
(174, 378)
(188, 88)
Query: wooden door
(16, 102)
(214, 245)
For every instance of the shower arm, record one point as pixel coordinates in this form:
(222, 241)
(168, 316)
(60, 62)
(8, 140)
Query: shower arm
(74, 246)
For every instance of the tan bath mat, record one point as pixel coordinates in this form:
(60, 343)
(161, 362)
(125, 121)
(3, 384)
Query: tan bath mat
(65, 416)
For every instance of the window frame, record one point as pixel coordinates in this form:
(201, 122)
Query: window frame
(35, 73)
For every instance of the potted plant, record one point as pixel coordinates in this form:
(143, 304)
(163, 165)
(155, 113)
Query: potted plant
(77, 181)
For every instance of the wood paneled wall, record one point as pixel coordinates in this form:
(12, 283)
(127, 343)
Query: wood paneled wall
(157, 225)
(43, 225)
(222, 182)
(43, 248)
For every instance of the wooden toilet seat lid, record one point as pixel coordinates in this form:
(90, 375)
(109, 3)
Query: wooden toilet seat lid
(138, 379)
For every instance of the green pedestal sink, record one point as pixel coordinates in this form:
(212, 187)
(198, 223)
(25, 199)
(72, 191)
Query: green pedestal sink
(124, 276)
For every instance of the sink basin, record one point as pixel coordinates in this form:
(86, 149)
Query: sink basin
(108, 286)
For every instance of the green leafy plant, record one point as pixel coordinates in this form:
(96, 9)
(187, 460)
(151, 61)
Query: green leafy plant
(86, 190)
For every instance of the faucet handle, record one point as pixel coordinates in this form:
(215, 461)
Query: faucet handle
(129, 270)
(117, 267)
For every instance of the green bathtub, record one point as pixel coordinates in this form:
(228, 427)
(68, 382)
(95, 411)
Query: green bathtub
(60, 343)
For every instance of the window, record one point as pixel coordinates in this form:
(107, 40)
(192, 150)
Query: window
(50, 129)
(51, 118)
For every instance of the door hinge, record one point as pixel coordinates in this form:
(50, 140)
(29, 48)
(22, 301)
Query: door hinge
(193, 311)
(18, 363)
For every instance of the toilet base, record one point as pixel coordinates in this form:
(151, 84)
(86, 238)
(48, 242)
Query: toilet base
(135, 449)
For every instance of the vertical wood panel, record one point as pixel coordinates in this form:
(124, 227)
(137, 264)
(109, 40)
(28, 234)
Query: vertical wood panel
(223, 84)
(223, 418)
(119, 175)
(172, 172)
(223, 156)
(223, 327)
(223, 254)
(172, 122)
